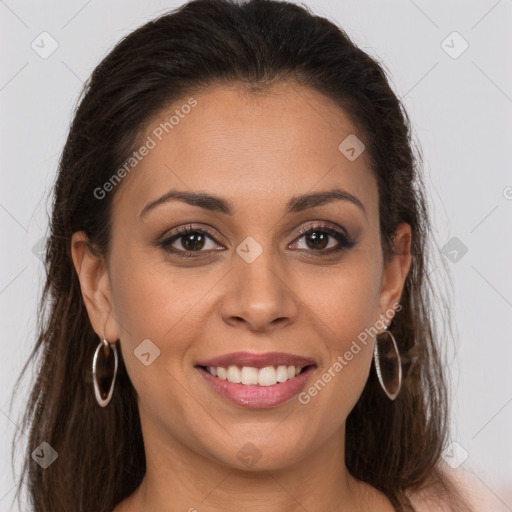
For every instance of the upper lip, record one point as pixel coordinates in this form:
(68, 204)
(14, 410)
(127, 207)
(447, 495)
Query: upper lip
(258, 360)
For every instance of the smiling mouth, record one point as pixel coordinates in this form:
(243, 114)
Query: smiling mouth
(252, 376)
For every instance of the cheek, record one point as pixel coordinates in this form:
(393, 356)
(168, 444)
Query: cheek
(164, 305)
(155, 315)
(346, 301)
(151, 300)
(347, 306)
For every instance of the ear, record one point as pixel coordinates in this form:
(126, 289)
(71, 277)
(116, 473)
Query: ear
(95, 285)
(395, 271)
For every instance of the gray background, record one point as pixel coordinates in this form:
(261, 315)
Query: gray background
(461, 111)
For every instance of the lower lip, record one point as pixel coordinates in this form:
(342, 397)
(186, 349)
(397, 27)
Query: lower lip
(258, 396)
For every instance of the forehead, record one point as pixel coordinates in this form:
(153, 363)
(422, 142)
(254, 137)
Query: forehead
(250, 148)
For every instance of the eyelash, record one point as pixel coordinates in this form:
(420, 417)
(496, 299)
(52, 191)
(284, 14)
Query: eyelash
(343, 241)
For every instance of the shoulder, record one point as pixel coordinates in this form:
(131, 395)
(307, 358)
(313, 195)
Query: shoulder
(476, 494)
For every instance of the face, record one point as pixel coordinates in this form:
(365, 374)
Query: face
(261, 270)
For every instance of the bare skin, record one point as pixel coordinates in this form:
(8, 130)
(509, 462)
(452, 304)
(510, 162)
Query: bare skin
(256, 152)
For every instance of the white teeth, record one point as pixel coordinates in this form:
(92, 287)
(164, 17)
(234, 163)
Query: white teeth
(282, 373)
(234, 374)
(267, 376)
(250, 376)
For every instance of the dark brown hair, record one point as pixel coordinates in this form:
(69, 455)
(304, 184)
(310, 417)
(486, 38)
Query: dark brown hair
(394, 446)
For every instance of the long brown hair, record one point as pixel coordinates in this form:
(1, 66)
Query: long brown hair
(394, 446)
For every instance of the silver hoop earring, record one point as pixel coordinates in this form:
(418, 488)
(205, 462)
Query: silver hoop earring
(388, 365)
(102, 372)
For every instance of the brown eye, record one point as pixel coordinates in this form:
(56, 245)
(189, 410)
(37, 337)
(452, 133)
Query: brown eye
(187, 240)
(318, 239)
(193, 241)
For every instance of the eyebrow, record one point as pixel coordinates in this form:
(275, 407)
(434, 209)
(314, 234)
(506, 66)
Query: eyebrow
(217, 204)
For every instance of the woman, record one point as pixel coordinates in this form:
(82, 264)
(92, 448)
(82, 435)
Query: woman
(239, 316)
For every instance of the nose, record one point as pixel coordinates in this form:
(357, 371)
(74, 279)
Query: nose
(259, 295)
